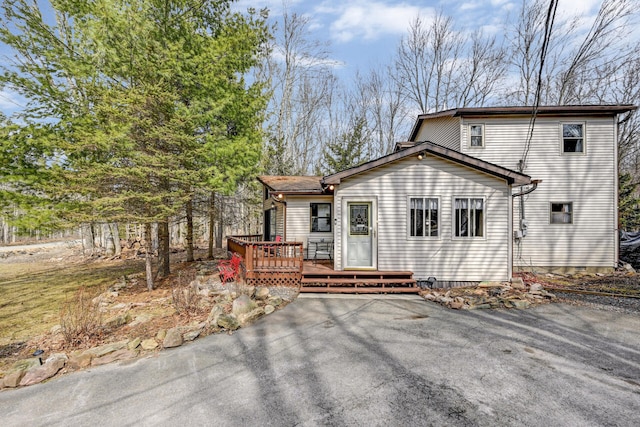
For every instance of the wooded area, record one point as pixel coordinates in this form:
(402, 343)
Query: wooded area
(156, 116)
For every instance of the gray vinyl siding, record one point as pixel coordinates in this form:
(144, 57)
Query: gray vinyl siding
(588, 180)
(445, 257)
(299, 219)
(443, 131)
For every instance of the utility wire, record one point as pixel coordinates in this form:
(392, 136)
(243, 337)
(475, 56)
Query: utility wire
(548, 26)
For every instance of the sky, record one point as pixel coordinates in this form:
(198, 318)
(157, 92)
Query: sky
(361, 34)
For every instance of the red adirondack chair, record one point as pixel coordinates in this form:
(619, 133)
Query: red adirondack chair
(230, 268)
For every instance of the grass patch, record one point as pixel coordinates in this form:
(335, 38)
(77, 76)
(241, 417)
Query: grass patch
(32, 294)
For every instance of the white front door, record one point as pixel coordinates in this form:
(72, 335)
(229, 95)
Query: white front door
(360, 235)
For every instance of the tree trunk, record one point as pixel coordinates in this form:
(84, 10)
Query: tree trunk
(189, 237)
(220, 229)
(163, 249)
(115, 233)
(212, 223)
(147, 257)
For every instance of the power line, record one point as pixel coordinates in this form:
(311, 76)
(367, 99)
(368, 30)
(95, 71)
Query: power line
(548, 26)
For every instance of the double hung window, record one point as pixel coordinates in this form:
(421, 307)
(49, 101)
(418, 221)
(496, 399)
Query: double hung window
(468, 217)
(424, 219)
(573, 137)
(476, 135)
(320, 217)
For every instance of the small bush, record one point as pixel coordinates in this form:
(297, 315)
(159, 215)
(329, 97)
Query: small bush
(80, 318)
(185, 298)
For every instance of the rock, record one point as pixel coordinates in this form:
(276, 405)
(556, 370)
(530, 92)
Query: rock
(262, 293)
(518, 284)
(533, 287)
(268, 309)
(215, 312)
(55, 330)
(254, 314)
(519, 303)
(193, 334)
(275, 301)
(41, 373)
(229, 322)
(12, 380)
(242, 305)
(120, 306)
(489, 284)
(80, 359)
(56, 356)
(107, 348)
(140, 319)
(173, 338)
(457, 304)
(479, 307)
(25, 364)
(134, 343)
(161, 334)
(117, 321)
(149, 344)
(124, 354)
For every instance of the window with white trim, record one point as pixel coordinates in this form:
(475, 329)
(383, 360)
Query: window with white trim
(320, 217)
(561, 213)
(468, 217)
(424, 218)
(476, 135)
(573, 138)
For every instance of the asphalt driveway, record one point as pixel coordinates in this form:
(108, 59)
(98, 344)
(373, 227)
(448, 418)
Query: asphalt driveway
(367, 361)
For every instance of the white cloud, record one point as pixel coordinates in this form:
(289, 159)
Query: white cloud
(10, 101)
(370, 20)
(307, 61)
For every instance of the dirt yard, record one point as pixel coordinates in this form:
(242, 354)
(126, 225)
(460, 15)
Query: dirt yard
(38, 281)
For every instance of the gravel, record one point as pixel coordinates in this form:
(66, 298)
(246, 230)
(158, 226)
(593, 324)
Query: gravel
(622, 305)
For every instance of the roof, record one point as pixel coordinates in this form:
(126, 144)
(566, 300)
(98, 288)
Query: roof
(293, 184)
(512, 177)
(543, 111)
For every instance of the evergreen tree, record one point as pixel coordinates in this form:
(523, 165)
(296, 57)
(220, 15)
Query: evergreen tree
(628, 203)
(347, 152)
(134, 105)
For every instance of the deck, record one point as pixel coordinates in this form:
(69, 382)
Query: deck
(283, 264)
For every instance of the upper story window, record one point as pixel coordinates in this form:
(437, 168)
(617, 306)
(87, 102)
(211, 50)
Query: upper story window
(320, 217)
(573, 137)
(424, 219)
(476, 135)
(561, 213)
(468, 217)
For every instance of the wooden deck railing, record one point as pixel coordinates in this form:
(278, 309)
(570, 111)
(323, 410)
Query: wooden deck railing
(268, 263)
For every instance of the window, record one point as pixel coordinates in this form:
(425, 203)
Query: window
(561, 213)
(469, 217)
(573, 138)
(423, 217)
(476, 133)
(320, 217)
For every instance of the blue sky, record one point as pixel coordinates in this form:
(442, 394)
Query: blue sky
(365, 33)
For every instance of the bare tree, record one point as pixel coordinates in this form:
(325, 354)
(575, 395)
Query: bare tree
(439, 68)
(302, 81)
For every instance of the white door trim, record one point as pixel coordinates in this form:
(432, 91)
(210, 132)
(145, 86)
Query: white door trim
(345, 231)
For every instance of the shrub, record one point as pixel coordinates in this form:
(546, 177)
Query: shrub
(80, 318)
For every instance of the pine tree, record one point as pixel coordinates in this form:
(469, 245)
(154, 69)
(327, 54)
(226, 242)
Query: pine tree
(347, 152)
(134, 106)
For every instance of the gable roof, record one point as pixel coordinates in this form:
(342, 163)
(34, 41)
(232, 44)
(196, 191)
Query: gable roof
(293, 184)
(543, 111)
(512, 177)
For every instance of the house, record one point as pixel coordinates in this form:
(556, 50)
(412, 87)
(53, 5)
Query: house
(471, 196)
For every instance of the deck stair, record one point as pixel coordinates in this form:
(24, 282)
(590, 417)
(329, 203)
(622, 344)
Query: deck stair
(358, 282)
